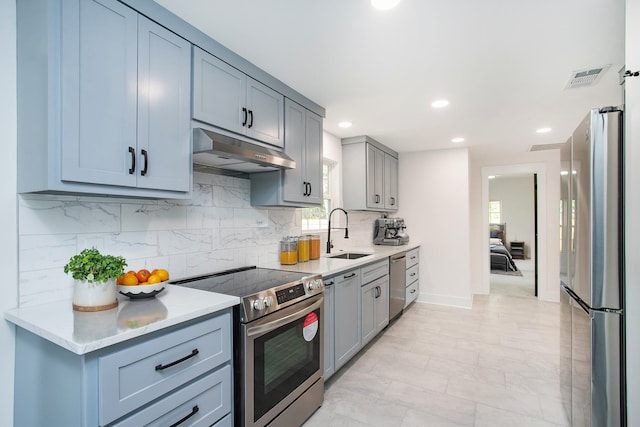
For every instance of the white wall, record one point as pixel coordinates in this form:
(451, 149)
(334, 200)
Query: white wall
(632, 223)
(547, 165)
(434, 190)
(516, 195)
(8, 217)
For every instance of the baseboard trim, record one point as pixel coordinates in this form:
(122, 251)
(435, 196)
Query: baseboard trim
(445, 300)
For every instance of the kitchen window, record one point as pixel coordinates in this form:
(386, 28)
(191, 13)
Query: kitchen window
(495, 208)
(316, 219)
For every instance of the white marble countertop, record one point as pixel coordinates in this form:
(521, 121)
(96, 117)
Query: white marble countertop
(83, 332)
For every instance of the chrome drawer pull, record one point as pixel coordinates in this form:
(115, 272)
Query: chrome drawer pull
(160, 367)
(349, 276)
(193, 412)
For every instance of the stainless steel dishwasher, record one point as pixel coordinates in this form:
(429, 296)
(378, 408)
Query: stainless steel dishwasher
(397, 277)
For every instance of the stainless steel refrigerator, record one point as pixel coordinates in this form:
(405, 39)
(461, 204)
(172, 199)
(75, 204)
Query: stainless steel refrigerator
(592, 270)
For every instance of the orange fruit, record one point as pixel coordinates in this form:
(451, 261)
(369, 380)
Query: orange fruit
(164, 274)
(119, 280)
(143, 275)
(131, 272)
(153, 279)
(129, 280)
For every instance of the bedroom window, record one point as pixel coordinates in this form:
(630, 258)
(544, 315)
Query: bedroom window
(495, 207)
(316, 219)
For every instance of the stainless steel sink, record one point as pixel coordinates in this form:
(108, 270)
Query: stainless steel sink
(348, 255)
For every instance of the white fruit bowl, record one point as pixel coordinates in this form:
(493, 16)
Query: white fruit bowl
(142, 291)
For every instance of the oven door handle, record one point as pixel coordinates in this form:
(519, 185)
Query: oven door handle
(275, 324)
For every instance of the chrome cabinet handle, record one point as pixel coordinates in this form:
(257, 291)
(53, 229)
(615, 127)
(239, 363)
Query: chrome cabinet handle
(349, 276)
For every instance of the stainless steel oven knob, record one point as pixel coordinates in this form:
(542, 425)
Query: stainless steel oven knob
(258, 305)
(320, 283)
(312, 285)
(268, 301)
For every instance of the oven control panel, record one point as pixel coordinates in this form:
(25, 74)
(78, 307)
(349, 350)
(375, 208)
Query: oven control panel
(265, 302)
(291, 293)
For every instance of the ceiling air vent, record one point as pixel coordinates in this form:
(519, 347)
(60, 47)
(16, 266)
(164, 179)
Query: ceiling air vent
(587, 77)
(542, 147)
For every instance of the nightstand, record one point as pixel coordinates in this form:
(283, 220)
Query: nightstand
(517, 249)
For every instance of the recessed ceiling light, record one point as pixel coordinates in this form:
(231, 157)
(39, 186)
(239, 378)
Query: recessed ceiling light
(384, 4)
(440, 103)
(345, 125)
(543, 130)
(491, 176)
(457, 140)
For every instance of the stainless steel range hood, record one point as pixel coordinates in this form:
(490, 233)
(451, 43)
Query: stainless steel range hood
(217, 153)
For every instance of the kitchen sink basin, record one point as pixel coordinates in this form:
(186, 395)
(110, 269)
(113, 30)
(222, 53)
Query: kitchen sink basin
(349, 255)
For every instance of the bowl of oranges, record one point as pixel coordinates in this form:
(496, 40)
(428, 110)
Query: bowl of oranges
(142, 283)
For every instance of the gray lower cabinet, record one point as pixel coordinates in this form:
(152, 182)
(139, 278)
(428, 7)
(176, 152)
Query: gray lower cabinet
(104, 101)
(153, 380)
(375, 299)
(225, 97)
(375, 308)
(412, 276)
(348, 317)
(329, 328)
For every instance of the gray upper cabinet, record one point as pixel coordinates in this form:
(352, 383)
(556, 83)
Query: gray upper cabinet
(390, 182)
(301, 186)
(371, 178)
(105, 105)
(225, 97)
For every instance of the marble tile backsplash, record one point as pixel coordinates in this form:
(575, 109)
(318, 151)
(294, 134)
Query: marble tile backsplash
(215, 230)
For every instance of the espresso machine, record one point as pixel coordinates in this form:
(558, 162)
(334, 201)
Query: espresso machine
(390, 231)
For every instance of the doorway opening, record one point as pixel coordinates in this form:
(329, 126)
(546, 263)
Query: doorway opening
(513, 235)
(538, 247)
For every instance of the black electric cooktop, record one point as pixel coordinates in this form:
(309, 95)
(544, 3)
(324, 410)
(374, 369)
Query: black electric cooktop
(241, 282)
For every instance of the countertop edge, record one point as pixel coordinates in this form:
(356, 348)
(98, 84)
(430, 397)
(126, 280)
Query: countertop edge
(27, 319)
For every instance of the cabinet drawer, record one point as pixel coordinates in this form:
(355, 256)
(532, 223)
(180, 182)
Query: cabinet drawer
(208, 399)
(411, 293)
(413, 256)
(411, 274)
(136, 375)
(373, 271)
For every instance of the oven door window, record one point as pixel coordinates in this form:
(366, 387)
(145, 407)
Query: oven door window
(283, 359)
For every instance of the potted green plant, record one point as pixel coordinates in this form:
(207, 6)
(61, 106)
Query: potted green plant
(95, 277)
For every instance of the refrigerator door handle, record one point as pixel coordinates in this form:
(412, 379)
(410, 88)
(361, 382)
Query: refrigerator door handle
(576, 298)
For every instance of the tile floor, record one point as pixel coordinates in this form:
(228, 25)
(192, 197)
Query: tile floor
(493, 365)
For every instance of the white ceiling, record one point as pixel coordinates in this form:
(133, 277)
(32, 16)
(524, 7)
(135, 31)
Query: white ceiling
(503, 64)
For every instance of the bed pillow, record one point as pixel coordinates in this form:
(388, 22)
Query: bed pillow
(495, 241)
(494, 234)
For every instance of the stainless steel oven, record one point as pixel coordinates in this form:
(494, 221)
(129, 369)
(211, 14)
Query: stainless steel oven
(283, 364)
(278, 343)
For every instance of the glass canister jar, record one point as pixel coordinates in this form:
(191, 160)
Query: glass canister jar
(303, 249)
(314, 246)
(289, 251)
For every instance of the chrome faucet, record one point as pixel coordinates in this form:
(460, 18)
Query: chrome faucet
(346, 228)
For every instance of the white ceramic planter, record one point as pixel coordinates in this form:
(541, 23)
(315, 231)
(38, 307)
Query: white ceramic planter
(94, 296)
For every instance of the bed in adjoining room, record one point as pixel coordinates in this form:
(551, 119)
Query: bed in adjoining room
(501, 259)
